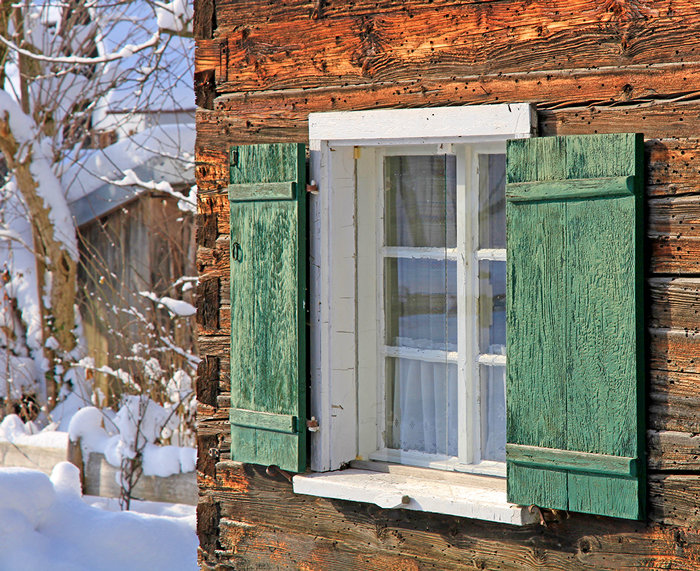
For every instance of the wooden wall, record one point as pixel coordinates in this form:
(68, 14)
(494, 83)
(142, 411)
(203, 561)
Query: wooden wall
(590, 66)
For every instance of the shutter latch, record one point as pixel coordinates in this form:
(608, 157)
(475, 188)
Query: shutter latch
(312, 425)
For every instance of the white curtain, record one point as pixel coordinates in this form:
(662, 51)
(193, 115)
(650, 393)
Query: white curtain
(425, 407)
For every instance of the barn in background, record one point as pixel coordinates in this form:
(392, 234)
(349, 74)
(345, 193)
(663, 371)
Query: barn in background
(586, 68)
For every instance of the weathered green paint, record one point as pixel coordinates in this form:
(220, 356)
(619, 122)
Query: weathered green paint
(571, 189)
(575, 373)
(264, 163)
(264, 420)
(572, 461)
(262, 191)
(268, 326)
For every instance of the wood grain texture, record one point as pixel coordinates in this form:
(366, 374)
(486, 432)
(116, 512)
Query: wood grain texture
(675, 302)
(674, 499)
(265, 525)
(560, 68)
(534, 330)
(448, 40)
(575, 325)
(671, 450)
(268, 338)
(674, 401)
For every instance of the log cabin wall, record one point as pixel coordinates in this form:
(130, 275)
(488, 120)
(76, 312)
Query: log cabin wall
(590, 66)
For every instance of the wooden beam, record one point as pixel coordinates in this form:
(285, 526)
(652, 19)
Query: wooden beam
(263, 522)
(444, 40)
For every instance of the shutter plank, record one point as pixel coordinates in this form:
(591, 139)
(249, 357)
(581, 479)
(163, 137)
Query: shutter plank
(534, 256)
(242, 321)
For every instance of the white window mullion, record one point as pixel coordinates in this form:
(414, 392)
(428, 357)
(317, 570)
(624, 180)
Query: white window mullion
(472, 350)
(381, 332)
(465, 313)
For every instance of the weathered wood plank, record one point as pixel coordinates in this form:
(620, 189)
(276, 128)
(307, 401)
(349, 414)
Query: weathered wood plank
(207, 384)
(670, 450)
(215, 262)
(675, 303)
(211, 164)
(674, 350)
(571, 460)
(674, 401)
(673, 499)
(207, 303)
(101, 480)
(449, 40)
(550, 89)
(583, 256)
(536, 232)
(260, 515)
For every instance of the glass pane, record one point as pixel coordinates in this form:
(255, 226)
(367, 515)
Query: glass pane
(420, 303)
(492, 201)
(492, 307)
(420, 201)
(493, 413)
(421, 406)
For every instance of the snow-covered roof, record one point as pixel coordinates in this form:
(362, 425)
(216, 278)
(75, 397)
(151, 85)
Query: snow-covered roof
(163, 153)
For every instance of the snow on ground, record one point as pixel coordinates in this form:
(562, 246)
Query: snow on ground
(88, 425)
(46, 524)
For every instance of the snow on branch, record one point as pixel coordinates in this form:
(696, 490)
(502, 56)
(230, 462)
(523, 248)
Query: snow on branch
(125, 52)
(132, 179)
(175, 306)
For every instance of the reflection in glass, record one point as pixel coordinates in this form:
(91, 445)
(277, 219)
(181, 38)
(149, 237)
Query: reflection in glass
(420, 201)
(492, 201)
(420, 303)
(422, 406)
(493, 413)
(492, 307)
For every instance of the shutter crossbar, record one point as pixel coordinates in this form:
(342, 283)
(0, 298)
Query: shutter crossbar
(262, 191)
(264, 420)
(571, 460)
(571, 189)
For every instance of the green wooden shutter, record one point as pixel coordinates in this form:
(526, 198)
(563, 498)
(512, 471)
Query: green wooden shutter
(575, 369)
(268, 325)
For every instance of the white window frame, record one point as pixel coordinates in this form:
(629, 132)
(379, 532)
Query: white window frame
(468, 358)
(333, 137)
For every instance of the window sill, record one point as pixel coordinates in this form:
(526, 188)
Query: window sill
(402, 487)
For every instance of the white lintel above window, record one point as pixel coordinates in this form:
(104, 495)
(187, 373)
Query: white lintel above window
(417, 126)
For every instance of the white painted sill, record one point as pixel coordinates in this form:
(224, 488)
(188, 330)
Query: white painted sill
(393, 486)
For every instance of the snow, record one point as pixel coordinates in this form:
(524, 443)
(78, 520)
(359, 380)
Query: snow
(12, 429)
(176, 16)
(46, 524)
(175, 306)
(167, 150)
(48, 187)
(116, 437)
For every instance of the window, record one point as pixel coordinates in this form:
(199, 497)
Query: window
(431, 272)
(408, 302)
(406, 318)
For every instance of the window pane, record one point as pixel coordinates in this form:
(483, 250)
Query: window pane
(492, 307)
(420, 303)
(421, 406)
(493, 413)
(492, 201)
(420, 201)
